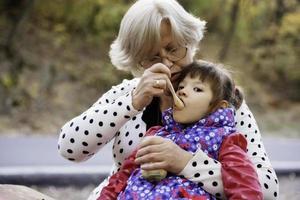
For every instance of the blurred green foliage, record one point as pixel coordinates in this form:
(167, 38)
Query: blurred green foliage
(57, 42)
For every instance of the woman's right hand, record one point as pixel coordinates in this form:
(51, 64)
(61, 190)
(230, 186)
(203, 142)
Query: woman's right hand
(153, 83)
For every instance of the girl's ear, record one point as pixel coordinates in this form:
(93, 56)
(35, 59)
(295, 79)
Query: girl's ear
(220, 104)
(223, 104)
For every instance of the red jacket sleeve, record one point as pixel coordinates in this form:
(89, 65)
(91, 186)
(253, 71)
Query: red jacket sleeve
(118, 181)
(239, 176)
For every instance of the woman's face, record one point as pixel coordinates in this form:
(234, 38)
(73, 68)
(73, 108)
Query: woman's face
(170, 51)
(196, 97)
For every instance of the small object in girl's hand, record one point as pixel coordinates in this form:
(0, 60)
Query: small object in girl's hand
(154, 175)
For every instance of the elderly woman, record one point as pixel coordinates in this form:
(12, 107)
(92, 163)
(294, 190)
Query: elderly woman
(157, 38)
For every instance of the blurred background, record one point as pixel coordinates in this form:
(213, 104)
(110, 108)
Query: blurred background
(54, 60)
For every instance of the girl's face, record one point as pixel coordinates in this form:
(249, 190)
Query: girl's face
(196, 96)
(170, 51)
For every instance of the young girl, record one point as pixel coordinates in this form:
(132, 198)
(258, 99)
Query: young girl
(207, 122)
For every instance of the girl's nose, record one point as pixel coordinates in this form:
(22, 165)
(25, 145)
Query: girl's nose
(181, 92)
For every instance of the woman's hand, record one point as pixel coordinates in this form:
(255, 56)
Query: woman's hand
(159, 153)
(153, 83)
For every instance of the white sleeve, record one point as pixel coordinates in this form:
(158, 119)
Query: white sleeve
(84, 135)
(246, 124)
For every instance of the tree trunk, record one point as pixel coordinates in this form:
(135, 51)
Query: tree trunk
(231, 30)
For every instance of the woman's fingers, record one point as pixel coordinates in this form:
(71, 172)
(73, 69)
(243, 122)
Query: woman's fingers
(152, 83)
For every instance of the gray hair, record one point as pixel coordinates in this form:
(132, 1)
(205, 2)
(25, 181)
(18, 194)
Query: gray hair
(139, 34)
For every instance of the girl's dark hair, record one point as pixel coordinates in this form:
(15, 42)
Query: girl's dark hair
(220, 80)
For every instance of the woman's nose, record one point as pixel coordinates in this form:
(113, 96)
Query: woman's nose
(164, 57)
(167, 62)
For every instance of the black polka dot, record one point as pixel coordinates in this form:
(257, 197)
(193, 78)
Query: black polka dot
(128, 108)
(268, 176)
(85, 144)
(252, 140)
(112, 124)
(242, 123)
(115, 114)
(100, 123)
(99, 135)
(126, 116)
(218, 195)
(130, 142)
(249, 125)
(96, 111)
(269, 171)
(134, 118)
(137, 126)
(72, 140)
(119, 141)
(86, 132)
(69, 151)
(259, 146)
(259, 166)
(71, 124)
(263, 158)
(266, 186)
(249, 115)
(126, 134)
(107, 101)
(215, 184)
(255, 131)
(246, 136)
(64, 135)
(119, 103)
(84, 118)
(122, 88)
(141, 135)
(206, 162)
(72, 159)
(77, 128)
(91, 121)
(276, 181)
(121, 151)
(200, 184)
(58, 146)
(114, 92)
(196, 175)
(85, 152)
(105, 112)
(242, 113)
(275, 194)
(118, 133)
(254, 154)
(194, 164)
(210, 172)
(114, 155)
(100, 143)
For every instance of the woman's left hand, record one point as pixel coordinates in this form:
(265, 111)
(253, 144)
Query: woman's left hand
(156, 152)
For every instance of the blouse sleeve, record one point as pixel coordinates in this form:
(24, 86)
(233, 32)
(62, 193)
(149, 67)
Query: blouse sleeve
(81, 137)
(207, 171)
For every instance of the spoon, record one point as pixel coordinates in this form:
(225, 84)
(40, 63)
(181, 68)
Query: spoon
(178, 103)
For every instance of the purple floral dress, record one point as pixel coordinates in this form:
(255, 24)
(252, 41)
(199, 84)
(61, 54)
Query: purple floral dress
(207, 134)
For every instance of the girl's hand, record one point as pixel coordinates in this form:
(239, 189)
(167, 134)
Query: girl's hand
(153, 83)
(156, 152)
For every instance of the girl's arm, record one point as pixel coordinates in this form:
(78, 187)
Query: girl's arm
(84, 135)
(207, 171)
(239, 176)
